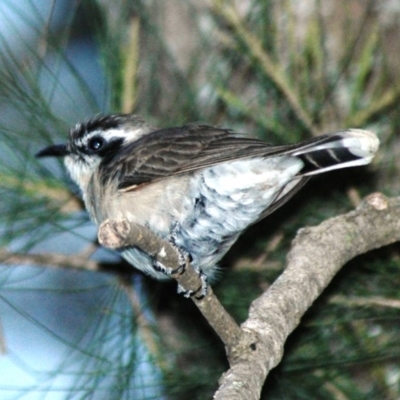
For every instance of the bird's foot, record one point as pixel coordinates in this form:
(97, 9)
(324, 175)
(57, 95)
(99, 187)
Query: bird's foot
(200, 292)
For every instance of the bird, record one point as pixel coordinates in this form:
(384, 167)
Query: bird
(196, 186)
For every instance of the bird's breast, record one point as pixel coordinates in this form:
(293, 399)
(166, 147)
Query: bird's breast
(157, 205)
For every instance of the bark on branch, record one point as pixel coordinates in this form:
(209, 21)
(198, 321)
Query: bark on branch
(317, 255)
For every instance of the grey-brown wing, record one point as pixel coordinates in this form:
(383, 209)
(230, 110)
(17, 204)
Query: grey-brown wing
(173, 151)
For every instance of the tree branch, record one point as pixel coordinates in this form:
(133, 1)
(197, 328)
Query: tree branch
(119, 234)
(317, 255)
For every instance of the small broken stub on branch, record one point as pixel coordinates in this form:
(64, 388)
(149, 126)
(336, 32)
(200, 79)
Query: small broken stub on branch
(113, 234)
(378, 201)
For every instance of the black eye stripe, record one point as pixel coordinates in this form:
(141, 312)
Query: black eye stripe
(108, 149)
(91, 146)
(111, 148)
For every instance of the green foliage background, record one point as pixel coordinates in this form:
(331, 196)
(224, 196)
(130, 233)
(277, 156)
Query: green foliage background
(264, 67)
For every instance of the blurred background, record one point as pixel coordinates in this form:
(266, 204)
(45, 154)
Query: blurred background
(78, 323)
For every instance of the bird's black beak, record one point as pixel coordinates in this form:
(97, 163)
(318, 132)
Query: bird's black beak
(57, 150)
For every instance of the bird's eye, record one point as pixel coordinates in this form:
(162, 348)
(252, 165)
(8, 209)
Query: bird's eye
(96, 143)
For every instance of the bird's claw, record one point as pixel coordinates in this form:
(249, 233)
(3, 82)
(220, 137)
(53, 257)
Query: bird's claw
(200, 292)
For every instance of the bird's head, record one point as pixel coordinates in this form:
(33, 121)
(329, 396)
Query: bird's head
(94, 141)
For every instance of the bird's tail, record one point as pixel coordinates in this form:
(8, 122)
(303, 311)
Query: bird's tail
(344, 149)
